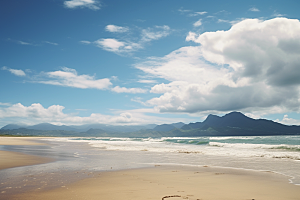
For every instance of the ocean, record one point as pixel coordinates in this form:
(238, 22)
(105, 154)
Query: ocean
(278, 154)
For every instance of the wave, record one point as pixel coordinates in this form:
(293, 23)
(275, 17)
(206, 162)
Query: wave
(288, 148)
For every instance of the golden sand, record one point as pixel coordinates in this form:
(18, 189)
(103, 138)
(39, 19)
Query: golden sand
(14, 159)
(170, 183)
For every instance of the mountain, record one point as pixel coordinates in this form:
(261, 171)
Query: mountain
(12, 126)
(164, 127)
(236, 123)
(178, 124)
(168, 127)
(82, 128)
(231, 124)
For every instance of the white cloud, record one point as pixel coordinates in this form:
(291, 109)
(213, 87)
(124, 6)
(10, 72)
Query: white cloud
(53, 43)
(246, 68)
(253, 9)
(85, 42)
(147, 81)
(116, 46)
(278, 15)
(223, 20)
(181, 10)
(288, 121)
(260, 50)
(139, 100)
(191, 36)
(198, 23)
(69, 78)
(91, 4)
(119, 89)
(24, 43)
(232, 22)
(17, 72)
(155, 33)
(116, 29)
(127, 46)
(36, 113)
(5, 104)
(197, 13)
(110, 44)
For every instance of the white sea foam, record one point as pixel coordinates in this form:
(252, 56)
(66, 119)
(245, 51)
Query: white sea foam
(273, 153)
(204, 145)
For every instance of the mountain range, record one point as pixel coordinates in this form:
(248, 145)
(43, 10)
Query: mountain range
(231, 124)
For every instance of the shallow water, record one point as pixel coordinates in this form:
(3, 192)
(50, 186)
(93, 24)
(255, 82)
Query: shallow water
(280, 154)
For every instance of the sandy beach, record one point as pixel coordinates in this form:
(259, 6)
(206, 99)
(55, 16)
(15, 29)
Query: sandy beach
(15, 159)
(175, 183)
(157, 182)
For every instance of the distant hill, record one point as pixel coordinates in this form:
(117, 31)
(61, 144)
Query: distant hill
(231, 124)
(168, 127)
(82, 128)
(164, 127)
(12, 126)
(236, 123)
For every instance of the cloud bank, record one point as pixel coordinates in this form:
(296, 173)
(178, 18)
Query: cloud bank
(36, 113)
(254, 66)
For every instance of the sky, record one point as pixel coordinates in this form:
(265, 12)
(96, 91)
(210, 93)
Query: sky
(74, 62)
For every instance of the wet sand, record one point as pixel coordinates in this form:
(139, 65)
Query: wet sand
(158, 182)
(13, 159)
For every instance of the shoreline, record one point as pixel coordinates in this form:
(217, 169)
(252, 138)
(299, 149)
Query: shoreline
(161, 181)
(11, 159)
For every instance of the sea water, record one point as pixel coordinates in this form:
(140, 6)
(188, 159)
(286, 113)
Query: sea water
(279, 154)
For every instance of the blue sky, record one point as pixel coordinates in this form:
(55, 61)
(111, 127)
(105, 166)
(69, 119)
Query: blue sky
(141, 62)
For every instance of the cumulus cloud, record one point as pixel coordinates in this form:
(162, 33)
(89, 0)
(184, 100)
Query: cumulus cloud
(69, 78)
(91, 4)
(247, 68)
(260, 50)
(17, 72)
(198, 23)
(119, 89)
(116, 29)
